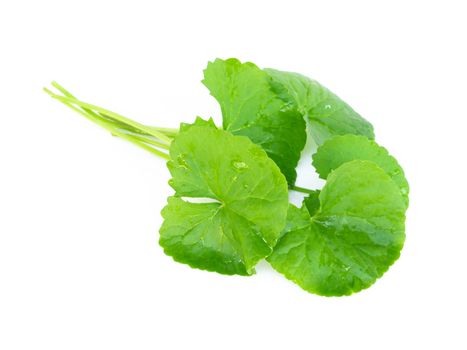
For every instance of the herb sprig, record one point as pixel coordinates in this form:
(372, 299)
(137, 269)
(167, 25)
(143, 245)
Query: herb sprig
(344, 236)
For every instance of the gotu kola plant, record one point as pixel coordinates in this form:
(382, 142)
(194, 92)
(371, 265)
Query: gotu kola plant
(344, 236)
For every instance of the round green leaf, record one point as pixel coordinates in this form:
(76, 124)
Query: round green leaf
(248, 202)
(341, 149)
(352, 239)
(327, 114)
(250, 108)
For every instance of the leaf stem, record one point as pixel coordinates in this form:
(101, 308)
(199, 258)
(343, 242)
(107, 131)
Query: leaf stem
(108, 126)
(171, 132)
(140, 135)
(301, 189)
(89, 111)
(113, 115)
(151, 141)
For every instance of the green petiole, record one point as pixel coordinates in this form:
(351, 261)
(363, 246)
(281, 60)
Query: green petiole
(114, 116)
(138, 140)
(301, 189)
(119, 124)
(170, 132)
(150, 141)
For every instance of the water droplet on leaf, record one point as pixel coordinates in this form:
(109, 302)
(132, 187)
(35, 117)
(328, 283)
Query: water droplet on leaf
(239, 165)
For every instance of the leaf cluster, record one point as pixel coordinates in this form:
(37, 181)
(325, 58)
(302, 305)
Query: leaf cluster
(230, 207)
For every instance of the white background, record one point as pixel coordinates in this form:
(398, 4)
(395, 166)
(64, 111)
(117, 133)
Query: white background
(80, 267)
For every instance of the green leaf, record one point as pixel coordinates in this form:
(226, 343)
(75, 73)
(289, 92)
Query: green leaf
(198, 122)
(311, 202)
(328, 114)
(250, 108)
(341, 149)
(248, 207)
(352, 239)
